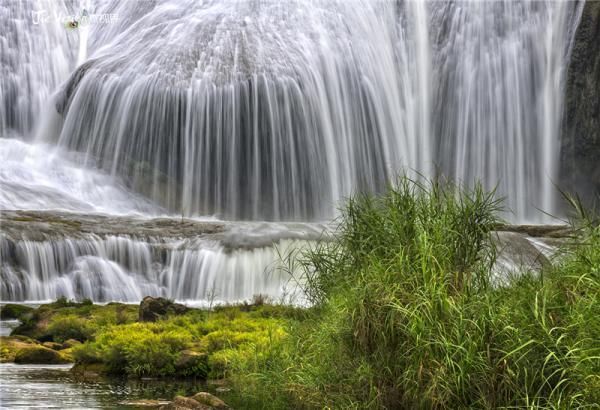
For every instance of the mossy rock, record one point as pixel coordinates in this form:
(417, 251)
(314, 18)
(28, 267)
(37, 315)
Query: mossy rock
(14, 311)
(153, 309)
(10, 345)
(39, 355)
(68, 344)
(210, 400)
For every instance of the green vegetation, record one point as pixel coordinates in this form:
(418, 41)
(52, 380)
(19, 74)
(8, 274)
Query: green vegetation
(406, 316)
(63, 320)
(197, 343)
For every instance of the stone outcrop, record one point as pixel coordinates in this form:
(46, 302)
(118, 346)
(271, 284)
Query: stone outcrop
(580, 145)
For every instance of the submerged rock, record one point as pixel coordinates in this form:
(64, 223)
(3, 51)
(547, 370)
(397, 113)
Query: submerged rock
(39, 355)
(152, 309)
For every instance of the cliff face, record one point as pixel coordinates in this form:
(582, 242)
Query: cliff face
(580, 155)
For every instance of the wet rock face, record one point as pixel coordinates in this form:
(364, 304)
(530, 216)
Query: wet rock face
(580, 155)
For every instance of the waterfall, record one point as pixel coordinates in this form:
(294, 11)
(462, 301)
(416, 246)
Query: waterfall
(125, 268)
(499, 67)
(36, 55)
(258, 110)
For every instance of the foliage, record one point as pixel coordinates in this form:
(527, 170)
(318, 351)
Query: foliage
(63, 320)
(195, 344)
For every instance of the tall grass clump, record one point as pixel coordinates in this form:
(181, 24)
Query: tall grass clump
(405, 314)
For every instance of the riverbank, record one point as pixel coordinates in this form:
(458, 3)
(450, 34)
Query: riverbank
(407, 311)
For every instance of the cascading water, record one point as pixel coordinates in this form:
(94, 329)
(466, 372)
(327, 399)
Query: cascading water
(499, 66)
(252, 110)
(122, 268)
(258, 110)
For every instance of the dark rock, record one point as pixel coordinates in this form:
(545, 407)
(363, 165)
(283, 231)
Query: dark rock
(580, 145)
(152, 309)
(14, 311)
(39, 355)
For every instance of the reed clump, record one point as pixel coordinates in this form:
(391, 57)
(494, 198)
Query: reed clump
(406, 316)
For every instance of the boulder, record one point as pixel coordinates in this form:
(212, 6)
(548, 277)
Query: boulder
(152, 309)
(89, 371)
(39, 355)
(209, 400)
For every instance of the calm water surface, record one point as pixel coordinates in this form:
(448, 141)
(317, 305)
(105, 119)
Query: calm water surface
(53, 387)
